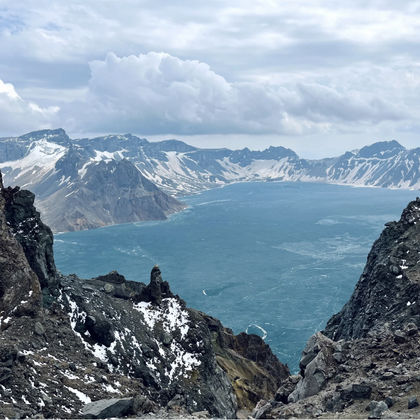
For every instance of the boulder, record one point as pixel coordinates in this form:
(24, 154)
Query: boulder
(399, 337)
(113, 407)
(411, 329)
(356, 392)
(412, 403)
(100, 329)
(317, 365)
(5, 375)
(39, 328)
(142, 405)
(377, 409)
(361, 391)
(389, 401)
(287, 388)
(262, 406)
(261, 412)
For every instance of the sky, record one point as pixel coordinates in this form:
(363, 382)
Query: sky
(318, 76)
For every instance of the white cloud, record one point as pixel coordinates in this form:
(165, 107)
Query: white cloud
(18, 114)
(288, 67)
(158, 93)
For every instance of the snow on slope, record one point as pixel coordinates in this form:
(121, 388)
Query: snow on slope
(39, 160)
(179, 169)
(397, 171)
(101, 156)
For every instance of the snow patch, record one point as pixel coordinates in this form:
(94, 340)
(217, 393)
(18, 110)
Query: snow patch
(82, 397)
(170, 314)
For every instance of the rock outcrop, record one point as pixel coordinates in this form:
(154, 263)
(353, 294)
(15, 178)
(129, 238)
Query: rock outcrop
(20, 291)
(33, 235)
(106, 346)
(317, 365)
(367, 359)
(389, 288)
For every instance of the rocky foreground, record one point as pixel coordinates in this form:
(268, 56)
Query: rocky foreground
(108, 347)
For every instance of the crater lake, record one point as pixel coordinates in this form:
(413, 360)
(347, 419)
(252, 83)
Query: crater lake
(273, 259)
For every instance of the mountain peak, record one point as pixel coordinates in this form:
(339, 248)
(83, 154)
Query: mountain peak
(382, 149)
(58, 136)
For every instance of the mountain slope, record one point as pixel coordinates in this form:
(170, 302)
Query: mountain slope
(83, 189)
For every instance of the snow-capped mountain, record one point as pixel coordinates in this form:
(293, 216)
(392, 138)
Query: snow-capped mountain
(81, 189)
(64, 171)
(384, 164)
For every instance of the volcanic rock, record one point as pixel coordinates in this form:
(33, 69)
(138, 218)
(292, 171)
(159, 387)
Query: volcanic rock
(102, 409)
(68, 342)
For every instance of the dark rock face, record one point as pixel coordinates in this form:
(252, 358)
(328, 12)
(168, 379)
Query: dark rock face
(35, 237)
(388, 290)
(129, 348)
(375, 354)
(20, 292)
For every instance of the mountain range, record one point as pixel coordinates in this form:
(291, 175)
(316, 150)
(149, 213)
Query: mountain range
(86, 183)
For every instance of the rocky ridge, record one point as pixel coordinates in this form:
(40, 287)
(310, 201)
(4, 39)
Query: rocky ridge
(107, 346)
(69, 172)
(366, 362)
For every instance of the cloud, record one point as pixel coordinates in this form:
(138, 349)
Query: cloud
(236, 38)
(244, 66)
(158, 93)
(18, 114)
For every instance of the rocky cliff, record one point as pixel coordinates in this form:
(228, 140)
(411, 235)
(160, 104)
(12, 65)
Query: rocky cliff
(366, 362)
(107, 347)
(388, 290)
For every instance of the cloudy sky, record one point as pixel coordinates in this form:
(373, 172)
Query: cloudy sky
(319, 76)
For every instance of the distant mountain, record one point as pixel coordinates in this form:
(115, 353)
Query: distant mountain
(87, 180)
(79, 189)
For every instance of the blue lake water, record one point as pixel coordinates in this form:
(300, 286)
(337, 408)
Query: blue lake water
(275, 259)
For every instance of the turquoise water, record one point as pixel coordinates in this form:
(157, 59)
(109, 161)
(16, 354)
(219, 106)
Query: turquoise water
(275, 259)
